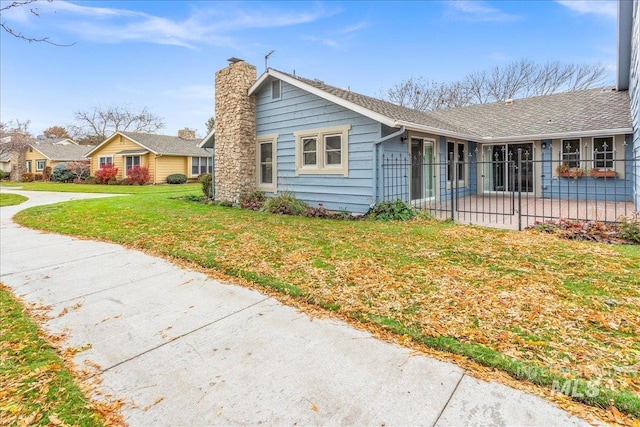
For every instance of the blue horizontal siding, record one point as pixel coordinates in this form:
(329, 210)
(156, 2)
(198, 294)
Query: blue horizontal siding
(298, 110)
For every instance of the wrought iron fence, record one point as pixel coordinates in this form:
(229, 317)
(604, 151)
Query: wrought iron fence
(511, 190)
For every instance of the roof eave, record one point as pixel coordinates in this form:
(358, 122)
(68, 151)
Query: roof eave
(437, 131)
(625, 29)
(556, 135)
(121, 134)
(206, 138)
(322, 94)
(47, 157)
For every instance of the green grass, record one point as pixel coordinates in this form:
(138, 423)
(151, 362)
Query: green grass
(111, 189)
(11, 199)
(511, 301)
(34, 385)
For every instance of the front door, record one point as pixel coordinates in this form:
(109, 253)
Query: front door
(500, 165)
(422, 180)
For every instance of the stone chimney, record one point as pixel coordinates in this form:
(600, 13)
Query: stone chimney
(235, 130)
(188, 134)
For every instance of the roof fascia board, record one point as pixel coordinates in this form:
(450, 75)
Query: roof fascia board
(47, 157)
(557, 135)
(322, 94)
(437, 131)
(206, 138)
(123, 135)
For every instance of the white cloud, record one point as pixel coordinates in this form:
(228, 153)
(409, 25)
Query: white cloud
(213, 26)
(476, 11)
(604, 8)
(322, 40)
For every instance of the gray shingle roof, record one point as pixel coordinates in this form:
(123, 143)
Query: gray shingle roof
(59, 152)
(168, 145)
(580, 111)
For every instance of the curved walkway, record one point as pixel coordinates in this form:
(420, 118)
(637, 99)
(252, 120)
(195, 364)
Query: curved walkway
(189, 350)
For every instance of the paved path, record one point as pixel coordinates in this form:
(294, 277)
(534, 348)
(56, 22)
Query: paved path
(210, 353)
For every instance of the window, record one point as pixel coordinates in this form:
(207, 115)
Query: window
(456, 152)
(105, 162)
(570, 152)
(131, 161)
(40, 165)
(603, 150)
(201, 165)
(275, 89)
(323, 151)
(266, 162)
(28, 166)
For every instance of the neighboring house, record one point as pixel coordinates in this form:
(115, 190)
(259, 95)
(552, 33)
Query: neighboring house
(628, 76)
(5, 162)
(331, 146)
(163, 155)
(50, 152)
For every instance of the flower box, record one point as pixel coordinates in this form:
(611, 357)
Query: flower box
(571, 173)
(597, 173)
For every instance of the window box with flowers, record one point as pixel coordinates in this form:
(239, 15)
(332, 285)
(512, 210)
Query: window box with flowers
(602, 173)
(564, 171)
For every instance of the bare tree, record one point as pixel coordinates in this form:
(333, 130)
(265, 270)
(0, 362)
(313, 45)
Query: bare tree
(14, 141)
(518, 79)
(34, 11)
(97, 124)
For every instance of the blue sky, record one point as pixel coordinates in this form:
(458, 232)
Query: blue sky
(163, 54)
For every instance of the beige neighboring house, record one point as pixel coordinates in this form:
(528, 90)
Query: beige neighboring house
(163, 155)
(50, 152)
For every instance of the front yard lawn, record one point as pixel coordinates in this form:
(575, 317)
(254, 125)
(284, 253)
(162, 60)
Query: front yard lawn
(7, 199)
(562, 314)
(111, 189)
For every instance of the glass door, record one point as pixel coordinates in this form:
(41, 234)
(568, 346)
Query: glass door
(422, 184)
(500, 168)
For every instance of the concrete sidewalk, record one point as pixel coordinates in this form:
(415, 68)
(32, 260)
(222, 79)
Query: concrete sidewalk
(193, 351)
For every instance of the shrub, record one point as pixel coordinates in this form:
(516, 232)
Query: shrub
(207, 184)
(138, 175)
(38, 177)
(395, 210)
(46, 173)
(113, 181)
(253, 201)
(79, 170)
(285, 204)
(105, 174)
(177, 178)
(61, 173)
(630, 227)
(27, 177)
(4, 175)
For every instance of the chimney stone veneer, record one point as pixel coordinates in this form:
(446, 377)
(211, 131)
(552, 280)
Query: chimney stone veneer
(235, 132)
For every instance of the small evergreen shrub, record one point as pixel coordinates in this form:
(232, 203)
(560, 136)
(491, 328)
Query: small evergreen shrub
(207, 184)
(253, 201)
(395, 210)
(60, 173)
(105, 174)
(285, 204)
(46, 173)
(177, 178)
(630, 227)
(138, 175)
(4, 175)
(113, 181)
(27, 177)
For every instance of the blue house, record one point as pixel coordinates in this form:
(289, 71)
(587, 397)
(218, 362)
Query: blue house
(337, 148)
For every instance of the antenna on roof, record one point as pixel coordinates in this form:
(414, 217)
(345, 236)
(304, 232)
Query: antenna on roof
(266, 59)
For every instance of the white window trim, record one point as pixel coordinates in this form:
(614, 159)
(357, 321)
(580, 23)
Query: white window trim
(612, 151)
(105, 157)
(209, 163)
(28, 166)
(562, 152)
(44, 163)
(272, 139)
(464, 179)
(279, 92)
(321, 168)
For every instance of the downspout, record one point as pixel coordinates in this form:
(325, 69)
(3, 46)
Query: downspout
(375, 159)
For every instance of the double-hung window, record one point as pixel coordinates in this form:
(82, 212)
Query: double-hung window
(40, 165)
(201, 165)
(130, 162)
(323, 151)
(105, 162)
(603, 152)
(456, 153)
(266, 162)
(570, 153)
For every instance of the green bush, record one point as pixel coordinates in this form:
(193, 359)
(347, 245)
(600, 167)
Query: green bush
(4, 175)
(285, 204)
(395, 210)
(253, 201)
(207, 184)
(630, 227)
(61, 173)
(177, 178)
